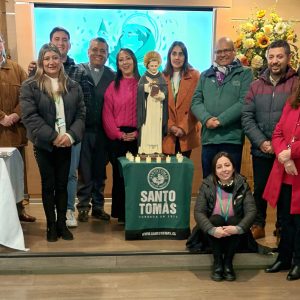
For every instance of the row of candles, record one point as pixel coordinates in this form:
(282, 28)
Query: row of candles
(137, 158)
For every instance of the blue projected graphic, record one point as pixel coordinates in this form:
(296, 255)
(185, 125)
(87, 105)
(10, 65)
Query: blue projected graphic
(139, 30)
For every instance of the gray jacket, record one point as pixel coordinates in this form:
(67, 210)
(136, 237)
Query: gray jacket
(39, 113)
(243, 203)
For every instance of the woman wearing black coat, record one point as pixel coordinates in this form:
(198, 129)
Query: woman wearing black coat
(53, 113)
(224, 210)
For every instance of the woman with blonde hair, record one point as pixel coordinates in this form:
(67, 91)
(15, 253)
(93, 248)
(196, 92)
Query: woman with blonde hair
(53, 113)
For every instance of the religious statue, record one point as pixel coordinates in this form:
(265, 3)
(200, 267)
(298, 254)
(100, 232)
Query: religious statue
(152, 106)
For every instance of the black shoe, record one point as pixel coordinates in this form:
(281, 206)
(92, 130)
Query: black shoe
(229, 273)
(217, 273)
(64, 232)
(100, 214)
(294, 273)
(51, 233)
(83, 216)
(277, 266)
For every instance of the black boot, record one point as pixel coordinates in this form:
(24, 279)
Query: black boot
(294, 273)
(229, 273)
(217, 272)
(64, 232)
(51, 232)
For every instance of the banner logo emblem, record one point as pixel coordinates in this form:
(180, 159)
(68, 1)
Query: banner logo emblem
(158, 178)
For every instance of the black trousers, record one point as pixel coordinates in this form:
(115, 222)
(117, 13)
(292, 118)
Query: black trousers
(92, 171)
(289, 245)
(261, 170)
(54, 169)
(178, 149)
(227, 245)
(119, 148)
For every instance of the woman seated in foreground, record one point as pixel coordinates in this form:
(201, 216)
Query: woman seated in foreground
(224, 211)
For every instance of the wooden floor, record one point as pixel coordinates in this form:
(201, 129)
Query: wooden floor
(100, 236)
(250, 284)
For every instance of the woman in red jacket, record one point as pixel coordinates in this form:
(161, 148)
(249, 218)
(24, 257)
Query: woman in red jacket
(283, 187)
(183, 127)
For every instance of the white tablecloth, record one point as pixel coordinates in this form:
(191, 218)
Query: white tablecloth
(11, 192)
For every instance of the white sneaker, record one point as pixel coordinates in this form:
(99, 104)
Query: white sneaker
(71, 220)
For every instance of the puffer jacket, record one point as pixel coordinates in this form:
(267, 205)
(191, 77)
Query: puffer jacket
(39, 113)
(243, 203)
(263, 107)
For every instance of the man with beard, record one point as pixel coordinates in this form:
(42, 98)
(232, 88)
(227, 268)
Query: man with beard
(94, 155)
(262, 109)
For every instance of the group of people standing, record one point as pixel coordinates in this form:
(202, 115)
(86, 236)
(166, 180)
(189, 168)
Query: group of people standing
(83, 116)
(102, 122)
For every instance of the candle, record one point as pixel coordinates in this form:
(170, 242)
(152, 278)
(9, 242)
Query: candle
(178, 154)
(128, 154)
(180, 159)
(168, 159)
(131, 158)
(137, 159)
(148, 159)
(158, 159)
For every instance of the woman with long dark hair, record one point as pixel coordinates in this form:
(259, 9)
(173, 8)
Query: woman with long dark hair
(183, 127)
(120, 122)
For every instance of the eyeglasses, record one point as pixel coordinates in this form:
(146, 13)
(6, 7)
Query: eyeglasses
(224, 51)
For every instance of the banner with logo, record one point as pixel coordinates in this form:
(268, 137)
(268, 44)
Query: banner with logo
(157, 199)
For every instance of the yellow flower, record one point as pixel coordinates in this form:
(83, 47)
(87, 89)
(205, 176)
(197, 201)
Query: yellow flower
(257, 62)
(263, 41)
(274, 17)
(290, 37)
(261, 13)
(238, 43)
(249, 43)
(268, 28)
(256, 34)
(247, 27)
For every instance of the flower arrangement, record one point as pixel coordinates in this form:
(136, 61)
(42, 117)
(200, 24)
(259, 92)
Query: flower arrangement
(256, 34)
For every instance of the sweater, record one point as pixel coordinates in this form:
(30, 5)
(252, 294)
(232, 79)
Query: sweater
(119, 108)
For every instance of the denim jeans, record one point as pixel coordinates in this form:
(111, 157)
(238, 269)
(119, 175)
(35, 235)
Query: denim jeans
(209, 152)
(72, 179)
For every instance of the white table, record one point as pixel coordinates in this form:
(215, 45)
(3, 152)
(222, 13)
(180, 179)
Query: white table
(11, 192)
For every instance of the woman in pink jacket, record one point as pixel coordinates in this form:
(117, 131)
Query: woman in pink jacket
(283, 187)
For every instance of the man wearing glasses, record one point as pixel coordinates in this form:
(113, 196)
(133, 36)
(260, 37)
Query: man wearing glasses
(217, 103)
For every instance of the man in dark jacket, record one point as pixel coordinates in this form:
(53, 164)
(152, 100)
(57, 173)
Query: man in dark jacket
(262, 109)
(94, 155)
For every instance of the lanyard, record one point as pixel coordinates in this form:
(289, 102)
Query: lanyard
(225, 215)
